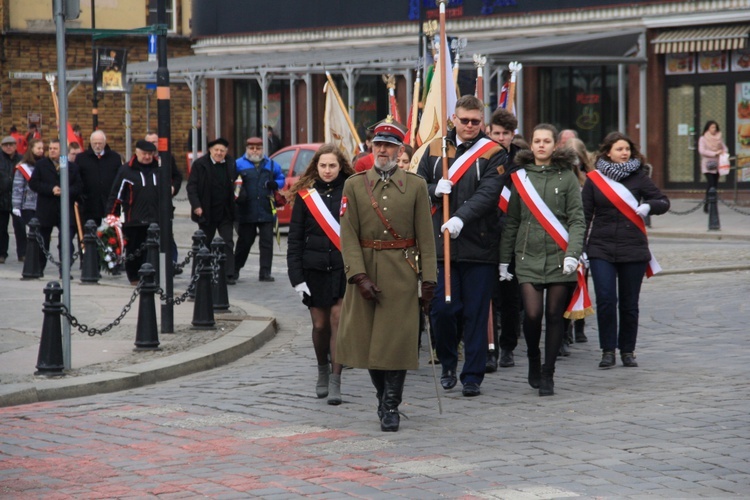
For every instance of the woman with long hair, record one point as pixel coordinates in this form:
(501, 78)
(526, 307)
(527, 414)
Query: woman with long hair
(544, 187)
(314, 262)
(24, 198)
(710, 146)
(615, 198)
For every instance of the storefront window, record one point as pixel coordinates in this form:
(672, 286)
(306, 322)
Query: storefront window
(370, 101)
(247, 112)
(580, 98)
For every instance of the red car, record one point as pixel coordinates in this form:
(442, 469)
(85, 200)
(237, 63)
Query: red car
(293, 160)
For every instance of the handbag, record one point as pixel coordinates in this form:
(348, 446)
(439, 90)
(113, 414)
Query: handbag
(279, 199)
(723, 164)
(712, 165)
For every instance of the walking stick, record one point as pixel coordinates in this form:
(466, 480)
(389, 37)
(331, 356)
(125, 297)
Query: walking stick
(432, 359)
(444, 130)
(79, 227)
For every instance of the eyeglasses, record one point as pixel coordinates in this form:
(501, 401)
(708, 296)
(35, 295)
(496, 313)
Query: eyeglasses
(474, 121)
(254, 146)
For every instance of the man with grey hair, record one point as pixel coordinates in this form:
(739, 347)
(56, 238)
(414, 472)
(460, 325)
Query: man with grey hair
(98, 166)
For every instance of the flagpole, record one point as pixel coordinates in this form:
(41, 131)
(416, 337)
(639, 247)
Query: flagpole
(332, 87)
(414, 118)
(444, 133)
(514, 68)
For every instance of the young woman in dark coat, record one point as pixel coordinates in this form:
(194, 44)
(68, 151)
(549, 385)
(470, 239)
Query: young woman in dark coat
(315, 265)
(617, 249)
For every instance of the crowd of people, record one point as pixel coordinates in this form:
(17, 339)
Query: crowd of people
(386, 246)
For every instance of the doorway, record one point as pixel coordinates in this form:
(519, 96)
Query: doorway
(689, 106)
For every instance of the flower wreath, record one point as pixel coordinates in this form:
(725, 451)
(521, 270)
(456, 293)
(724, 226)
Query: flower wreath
(112, 243)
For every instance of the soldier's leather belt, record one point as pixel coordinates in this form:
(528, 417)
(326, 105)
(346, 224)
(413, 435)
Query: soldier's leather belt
(388, 244)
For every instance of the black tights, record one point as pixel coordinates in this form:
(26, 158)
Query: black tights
(534, 307)
(325, 327)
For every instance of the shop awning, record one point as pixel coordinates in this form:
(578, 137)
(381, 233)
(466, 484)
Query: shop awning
(702, 39)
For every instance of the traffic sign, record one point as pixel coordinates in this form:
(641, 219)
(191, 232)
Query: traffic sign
(152, 47)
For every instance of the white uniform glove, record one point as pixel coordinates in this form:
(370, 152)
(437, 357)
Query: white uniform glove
(643, 209)
(444, 186)
(302, 289)
(504, 274)
(454, 226)
(570, 264)
(16, 212)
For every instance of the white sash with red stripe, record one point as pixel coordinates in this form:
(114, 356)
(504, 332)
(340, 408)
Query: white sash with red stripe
(322, 215)
(580, 305)
(625, 202)
(25, 170)
(502, 203)
(464, 162)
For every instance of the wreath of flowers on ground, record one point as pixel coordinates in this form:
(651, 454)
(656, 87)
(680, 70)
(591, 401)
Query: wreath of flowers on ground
(112, 244)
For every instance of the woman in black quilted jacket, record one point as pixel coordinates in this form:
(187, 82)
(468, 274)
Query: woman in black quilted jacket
(314, 262)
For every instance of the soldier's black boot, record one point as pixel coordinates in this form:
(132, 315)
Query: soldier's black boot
(535, 371)
(547, 383)
(394, 388)
(378, 380)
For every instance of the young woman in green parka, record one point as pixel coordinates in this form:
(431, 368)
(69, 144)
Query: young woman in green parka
(541, 265)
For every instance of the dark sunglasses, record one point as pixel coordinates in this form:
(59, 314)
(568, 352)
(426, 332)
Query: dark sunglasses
(466, 121)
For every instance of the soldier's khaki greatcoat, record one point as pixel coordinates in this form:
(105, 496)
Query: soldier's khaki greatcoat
(384, 336)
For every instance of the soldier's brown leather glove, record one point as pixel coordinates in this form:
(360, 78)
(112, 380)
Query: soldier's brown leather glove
(428, 292)
(367, 288)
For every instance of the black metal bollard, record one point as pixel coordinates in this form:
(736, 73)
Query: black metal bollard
(713, 209)
(32, 266)
(50, 360)
(152, 249)
(220, 293)
(90, 266)
(203, 308)
(199, 241)
(146, 333)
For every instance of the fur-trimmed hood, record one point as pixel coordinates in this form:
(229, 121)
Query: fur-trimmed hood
(562, 158)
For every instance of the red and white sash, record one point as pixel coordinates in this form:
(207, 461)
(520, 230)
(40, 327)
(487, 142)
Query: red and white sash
(502, 203)
(625, 202)
(580, 305)
(322, 215)
(462, 164)
(25, 170)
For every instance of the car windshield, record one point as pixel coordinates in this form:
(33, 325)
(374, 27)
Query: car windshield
(285, 160)
(303, 160)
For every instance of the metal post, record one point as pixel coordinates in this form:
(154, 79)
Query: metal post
(293, 108)
(129, 124)
(204, 140)
(217, 109)
(65, 236)
(519, 99)
(165, 172)
(621, 98)
(50, 359)
(90, 268)
(308, 106)
(192, 84)
(263, 82)
(94, 95)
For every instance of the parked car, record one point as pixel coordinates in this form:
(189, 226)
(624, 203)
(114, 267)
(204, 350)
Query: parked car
(293, 160)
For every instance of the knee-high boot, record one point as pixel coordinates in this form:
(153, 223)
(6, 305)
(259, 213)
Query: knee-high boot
(378, 380)
(394, 388)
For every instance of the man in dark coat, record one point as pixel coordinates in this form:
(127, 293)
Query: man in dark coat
(210, 190)
(176, 177)
(475, 239)
(135, 193)
(46, 182)
(260, 176)
(98, 166)
(506, 296)
(9, 158)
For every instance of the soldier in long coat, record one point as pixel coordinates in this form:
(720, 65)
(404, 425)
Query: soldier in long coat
(384, 250)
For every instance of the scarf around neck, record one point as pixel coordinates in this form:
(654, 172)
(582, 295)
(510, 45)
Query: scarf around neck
(714, 142)
(617, 171)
